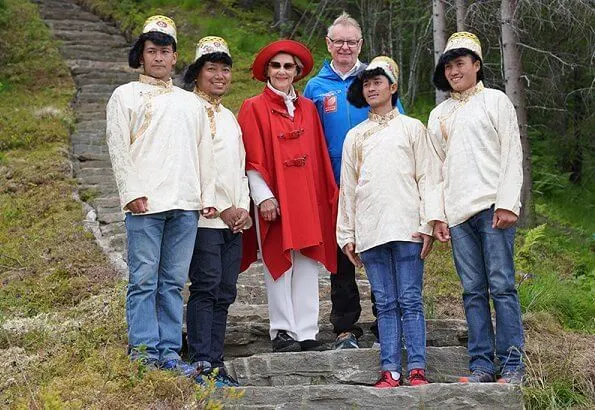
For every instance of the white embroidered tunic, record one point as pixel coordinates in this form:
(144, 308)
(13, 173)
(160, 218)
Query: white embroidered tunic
(476, 156)
(230, 159)
(382, 182)
(160, 146)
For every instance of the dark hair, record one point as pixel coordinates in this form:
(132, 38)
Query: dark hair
(355, 92)
(136, 52)
(194, 68)
(439, 78)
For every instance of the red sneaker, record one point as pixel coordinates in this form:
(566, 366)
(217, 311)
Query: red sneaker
(386, 380)
(417, 377)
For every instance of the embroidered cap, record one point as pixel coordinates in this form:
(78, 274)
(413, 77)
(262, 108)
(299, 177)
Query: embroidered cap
(161, 24)
(464, 39)
(211, 44)
(387, 64)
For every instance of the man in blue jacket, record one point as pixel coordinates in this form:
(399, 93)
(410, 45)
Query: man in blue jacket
(328, 90)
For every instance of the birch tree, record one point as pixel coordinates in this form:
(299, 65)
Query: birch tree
(440, 36)
(515, 90)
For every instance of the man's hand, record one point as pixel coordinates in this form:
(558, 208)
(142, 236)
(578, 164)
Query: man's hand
(503, 218)
(138, 205)
(242, 220)
(349, 250)
(269, 209)
(441, 231)
(209, 212)
(427, 245)
(229, 216)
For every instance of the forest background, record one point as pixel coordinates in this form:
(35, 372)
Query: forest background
(61, 305)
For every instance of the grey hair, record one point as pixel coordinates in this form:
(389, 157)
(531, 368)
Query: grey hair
(344, 20)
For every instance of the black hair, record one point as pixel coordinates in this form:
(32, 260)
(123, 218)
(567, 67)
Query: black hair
(439, 78)
(136, 52)
(194, 68)
(355, 92)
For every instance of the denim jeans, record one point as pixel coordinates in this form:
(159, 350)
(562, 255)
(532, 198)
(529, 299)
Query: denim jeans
(159, 252)
(214, 274)
(484, 260)
(395, 271)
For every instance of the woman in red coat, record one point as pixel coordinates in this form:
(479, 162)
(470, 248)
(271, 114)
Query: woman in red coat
(292, 185)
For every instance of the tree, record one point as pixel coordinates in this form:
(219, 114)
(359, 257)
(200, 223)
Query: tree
(515, 89)
(440, 36)
(282, 16)
(461, 9)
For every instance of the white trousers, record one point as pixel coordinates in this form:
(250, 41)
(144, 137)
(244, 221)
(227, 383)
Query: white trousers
(293, 298)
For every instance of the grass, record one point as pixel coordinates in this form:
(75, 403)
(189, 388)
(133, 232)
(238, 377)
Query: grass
(62, 326)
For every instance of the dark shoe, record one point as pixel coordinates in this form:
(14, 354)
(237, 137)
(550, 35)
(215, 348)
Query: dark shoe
(346, 340)
(179, 366)
(478, 376)
(311, 345)
(417, 377)
(512, 377)
(386, 380)
(223, 379)
(285, 343)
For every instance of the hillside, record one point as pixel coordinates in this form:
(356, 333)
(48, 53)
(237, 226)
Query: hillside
(63, 331)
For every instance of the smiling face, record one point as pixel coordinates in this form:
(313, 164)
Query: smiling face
(461, 73)
(344, 56)
(281, 70)
(214, 78)
(378, 92)
(158, 61)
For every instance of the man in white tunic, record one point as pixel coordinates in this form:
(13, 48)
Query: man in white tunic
(473, 199)
(161, 151)
(217, 254)
(381, 216)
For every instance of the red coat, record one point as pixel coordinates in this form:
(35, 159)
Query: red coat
(292, 157)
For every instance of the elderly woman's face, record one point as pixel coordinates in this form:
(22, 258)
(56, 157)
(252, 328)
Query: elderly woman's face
(281, 71)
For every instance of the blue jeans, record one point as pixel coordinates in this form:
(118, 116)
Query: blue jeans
(159, 252)
(484, 260)
(395, 271)
(214, 274)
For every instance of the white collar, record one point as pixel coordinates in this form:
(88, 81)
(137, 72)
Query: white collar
(348, 73)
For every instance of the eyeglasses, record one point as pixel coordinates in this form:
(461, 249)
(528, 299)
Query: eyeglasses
(339, 43)
(277, 65)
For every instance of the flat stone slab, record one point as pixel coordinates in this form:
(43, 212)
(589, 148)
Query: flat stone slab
(432, 396)
(348, 366)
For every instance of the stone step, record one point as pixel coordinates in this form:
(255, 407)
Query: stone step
(91, 54)
(96, 37)
(67, 13)
(438, 396)
(98, 88)
(349, 366)
(85, 26)
(84, 66)
(248, 338)
(111, 77)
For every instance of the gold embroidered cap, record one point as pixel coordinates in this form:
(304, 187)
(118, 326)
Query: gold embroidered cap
(211, 44)
(387, 64)
(161, 24)
(464, 39)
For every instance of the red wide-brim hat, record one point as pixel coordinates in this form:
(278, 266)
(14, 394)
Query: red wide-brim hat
(292, 47)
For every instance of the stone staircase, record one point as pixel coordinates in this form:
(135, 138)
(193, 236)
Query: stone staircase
(96, 53)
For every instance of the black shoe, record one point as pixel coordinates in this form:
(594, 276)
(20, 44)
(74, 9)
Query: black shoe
(311, 345)
(285, 343)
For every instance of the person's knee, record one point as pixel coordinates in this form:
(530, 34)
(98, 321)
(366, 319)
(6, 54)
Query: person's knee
(385, 302)
(411, 302)
(227, 293)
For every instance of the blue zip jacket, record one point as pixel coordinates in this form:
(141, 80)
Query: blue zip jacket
(329, 93)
